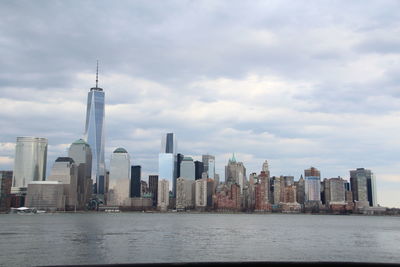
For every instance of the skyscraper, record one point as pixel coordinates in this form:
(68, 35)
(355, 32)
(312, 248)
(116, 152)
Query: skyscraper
(167, 161)
(94, 136)
(209, 165)
(363, 185)
(120, 172)
(169, 144)
(312, 183)
(30, 161)
(188, 168)
(65, 171)
(81, 153)
(135, 181)
(235, 173)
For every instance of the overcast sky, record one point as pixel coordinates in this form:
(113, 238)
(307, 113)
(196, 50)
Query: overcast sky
(297, 83)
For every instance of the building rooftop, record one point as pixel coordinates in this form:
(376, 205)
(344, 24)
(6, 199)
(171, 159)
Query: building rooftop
(65, 159)
(120, 150)
(80, 142)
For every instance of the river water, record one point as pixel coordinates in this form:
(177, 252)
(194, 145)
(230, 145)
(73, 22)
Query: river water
(101, 238)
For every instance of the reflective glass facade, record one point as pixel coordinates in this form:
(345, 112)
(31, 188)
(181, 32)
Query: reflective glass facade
(94, 136)
(166, 168)
(168, 144)
(30, 161)
(209, 165)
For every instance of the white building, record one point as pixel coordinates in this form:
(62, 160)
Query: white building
(184, 193)
(120, 174)
(163, 195)
(30, 161)
(201, 193)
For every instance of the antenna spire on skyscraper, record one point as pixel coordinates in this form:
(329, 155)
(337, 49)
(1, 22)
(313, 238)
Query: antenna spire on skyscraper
(97, 74)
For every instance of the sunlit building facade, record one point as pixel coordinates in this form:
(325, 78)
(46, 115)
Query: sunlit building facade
(120, 174)
(94, 136)
(312, 184)
(30, 161)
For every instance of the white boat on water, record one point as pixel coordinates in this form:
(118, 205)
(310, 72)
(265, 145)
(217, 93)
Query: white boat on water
(25, 210)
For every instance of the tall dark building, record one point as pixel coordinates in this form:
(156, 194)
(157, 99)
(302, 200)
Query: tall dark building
(5, 190)
(135, 181)
(198, 169)
(153, 188)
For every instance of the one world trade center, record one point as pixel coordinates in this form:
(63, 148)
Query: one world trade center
(94, 136)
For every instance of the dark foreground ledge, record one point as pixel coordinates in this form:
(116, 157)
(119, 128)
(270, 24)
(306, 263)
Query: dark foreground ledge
(220, 264)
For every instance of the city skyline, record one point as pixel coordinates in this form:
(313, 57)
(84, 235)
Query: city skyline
(315, 86)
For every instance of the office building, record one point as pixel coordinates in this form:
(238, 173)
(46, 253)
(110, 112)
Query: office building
(300, 190)
(312, 184)
(235, 173)
(201, 193)
(94, 136)
(265, 168)
(167, 161)
(188, 168)
(153, 188)
(163, 195)
(30, 161)
(179, 158)
(46, 195)
(198, 169)
(209, 165)
(335, 191)
(81, 153)
(119, 178)
(5, 190)
(65, 171)
(136, 185)
(184, 194)
(363, 186)
(169, 144)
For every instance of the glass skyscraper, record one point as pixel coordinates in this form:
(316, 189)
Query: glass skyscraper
(167, 161)
(30, 161)
(94, 136)
(312, 179)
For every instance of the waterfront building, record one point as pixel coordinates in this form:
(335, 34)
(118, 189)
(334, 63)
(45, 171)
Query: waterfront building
(312, 184)
(261, 190)
(300, 190)
(65, 171)
(119, 178)
(210, 191)
(136, 176)
(163, 195)
(81, 153)
(153, 188)
(94, 136)
(187, 168)
(198, 169)
(167, 161)
(46, 195)
(200, 193)
(363, 186)
(209, 165)
(184, 193)
(277, 186)
(235, 173)
(30, 161)
(334, 191)
(166, 169)
(5, 190)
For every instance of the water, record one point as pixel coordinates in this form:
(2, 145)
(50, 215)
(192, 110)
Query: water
(98, 238)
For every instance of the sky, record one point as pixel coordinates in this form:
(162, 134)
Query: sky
(297, 83)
